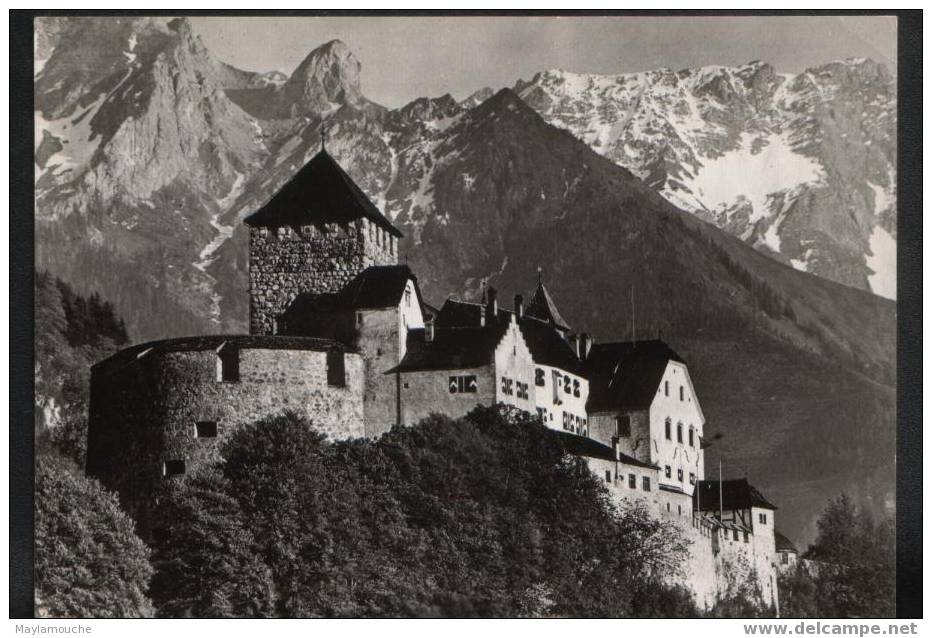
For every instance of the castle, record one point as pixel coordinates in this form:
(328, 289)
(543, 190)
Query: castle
(340, 333)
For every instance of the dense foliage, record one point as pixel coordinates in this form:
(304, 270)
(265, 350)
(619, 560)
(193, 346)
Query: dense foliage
(480, 516)
(72, 333)
(89, 563)
(850, 570)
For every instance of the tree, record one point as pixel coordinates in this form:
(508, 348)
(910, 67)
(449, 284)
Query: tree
(206, 560)
(88, 560)
(856, 562)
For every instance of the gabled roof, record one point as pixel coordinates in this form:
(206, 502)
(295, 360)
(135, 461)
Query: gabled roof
(625, 375)
(783, 544)
(737, 494)
(452, 348)
(321, 192)
(545, 343)
(374, 287)
(542, 307)
(590, 448)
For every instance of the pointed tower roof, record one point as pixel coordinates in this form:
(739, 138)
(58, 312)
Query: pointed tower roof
(321, 192)
(542, 307)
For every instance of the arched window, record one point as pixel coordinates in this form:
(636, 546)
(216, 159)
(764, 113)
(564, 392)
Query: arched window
(679, 432)
(692, 433)
(666, 427)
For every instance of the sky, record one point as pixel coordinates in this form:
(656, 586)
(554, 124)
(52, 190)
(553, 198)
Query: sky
(404, 58)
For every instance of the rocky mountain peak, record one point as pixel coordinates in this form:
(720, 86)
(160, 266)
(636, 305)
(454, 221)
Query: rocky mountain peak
(328, 76)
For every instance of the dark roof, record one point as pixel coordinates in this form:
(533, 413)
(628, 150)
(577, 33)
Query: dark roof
(625, 375)
(548, 347)
(321, 192)
(213, 342)
(452, 348)
(542, 307)
(546, 344)
(737, 494)
(591, 448)
(783, 544)
(374, 287)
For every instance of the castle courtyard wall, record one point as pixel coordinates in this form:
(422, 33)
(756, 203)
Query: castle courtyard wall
(143, 413)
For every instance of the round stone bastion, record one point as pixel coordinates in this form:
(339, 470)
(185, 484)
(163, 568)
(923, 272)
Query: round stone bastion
(161, 409)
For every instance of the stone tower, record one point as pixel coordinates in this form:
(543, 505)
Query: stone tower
(315, 235)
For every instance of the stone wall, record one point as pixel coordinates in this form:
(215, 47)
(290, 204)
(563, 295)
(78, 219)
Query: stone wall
(378, 338)
(603, 426)
(144, 411)
(423, 393)
(285, 262)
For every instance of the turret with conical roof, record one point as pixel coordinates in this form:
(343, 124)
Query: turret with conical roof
(542, 307)
(313, 236)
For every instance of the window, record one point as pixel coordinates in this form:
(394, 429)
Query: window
(567, 384)
(666, 427)
(576, 387)
(542, 414)
(666, 388)
(507, 386)
(408, 301)
(608, 476)
(681, 393)
(668, 506)
(679, 475)
(691, 439)
(174, 467)
(556, 388)
(762, 518)
(623, 425)
(735, 532)
(521, 390)
(632, 481)
(645, 483)
(228, 364)
(784, 557)
(666, 471)
(539, 377)
(336, 369)
(463, 383)
(679, 509)
(205, 429)
(692, 478)
(679, 432)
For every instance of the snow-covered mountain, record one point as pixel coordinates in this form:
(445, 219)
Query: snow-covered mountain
(803, 166)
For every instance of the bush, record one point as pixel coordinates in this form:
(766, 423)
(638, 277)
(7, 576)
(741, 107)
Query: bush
(89, 563)
(480, 516)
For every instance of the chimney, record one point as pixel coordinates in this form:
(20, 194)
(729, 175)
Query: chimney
(585, 345)
(429, 330)
(519, 306)
(492, 305)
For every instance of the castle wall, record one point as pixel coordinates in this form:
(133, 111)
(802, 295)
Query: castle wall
(379, 341)
(514, 368)
(603, 426)
(764, 552)
(427, 392)
(560, 399)
(675, 401)
(285, 262)
(144, 413)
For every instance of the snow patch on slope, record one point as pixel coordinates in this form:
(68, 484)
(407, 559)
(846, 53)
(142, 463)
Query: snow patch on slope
(753, 173)
(882, 261)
